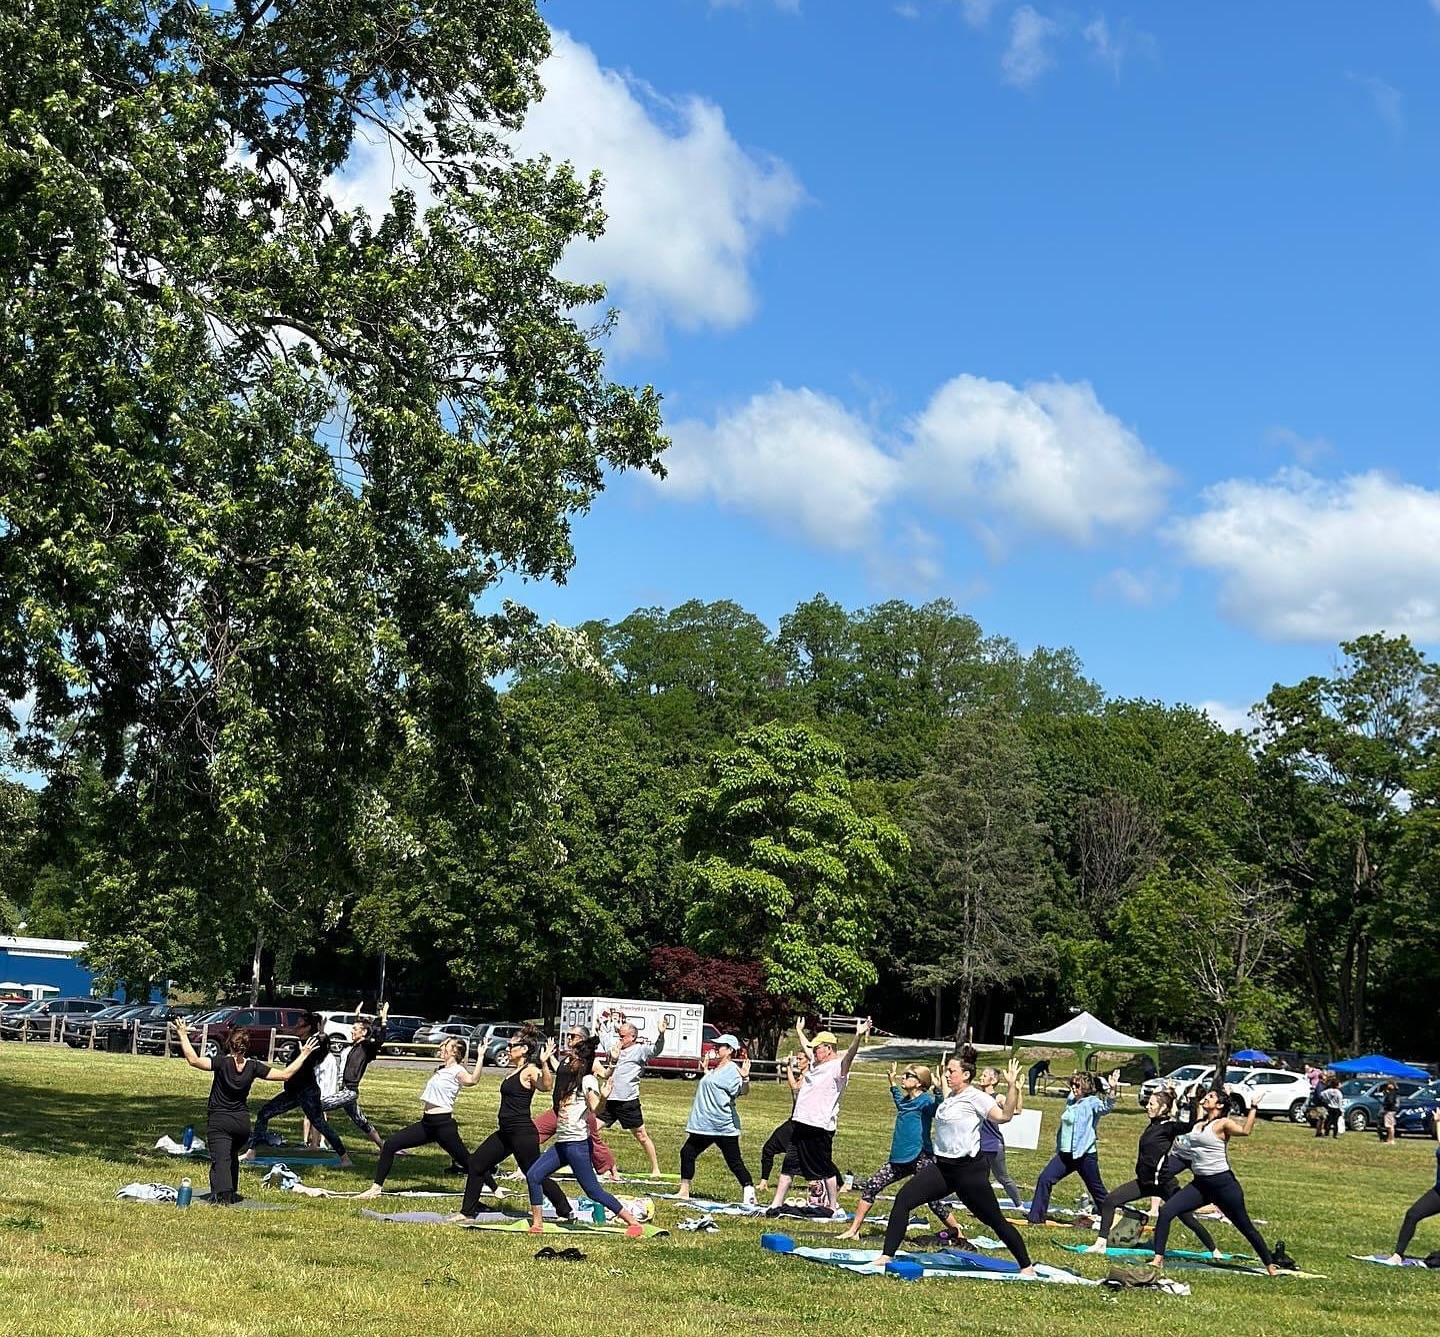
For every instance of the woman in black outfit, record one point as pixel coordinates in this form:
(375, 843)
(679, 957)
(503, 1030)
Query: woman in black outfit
(515, 1133)
(1153, 1177)
(227, 1126)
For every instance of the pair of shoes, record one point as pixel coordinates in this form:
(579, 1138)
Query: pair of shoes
(570, 1255)
(701, 1223)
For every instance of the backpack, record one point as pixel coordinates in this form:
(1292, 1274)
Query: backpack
(1127, 1232)
(1132, 1278)
(1433, 1259)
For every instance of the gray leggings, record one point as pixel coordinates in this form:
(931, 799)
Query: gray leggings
(348, 1099)
(1002, 1176)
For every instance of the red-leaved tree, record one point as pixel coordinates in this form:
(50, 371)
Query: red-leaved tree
(733, 993)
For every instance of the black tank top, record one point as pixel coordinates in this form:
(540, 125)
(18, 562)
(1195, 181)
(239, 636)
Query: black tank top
(515, 1098)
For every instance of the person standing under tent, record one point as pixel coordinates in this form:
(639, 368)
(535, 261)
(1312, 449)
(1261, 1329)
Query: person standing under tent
(1152, 1176)
(437, 1119)
(992, 1144)
(627, 1061)
(959, 1168)
(714, 1120)
(302, 1092)
(576, 1094)
(227, 1126)
(1206, 1148)
(1076, 1141)
(515, 1135)
(817, 1115)
(911, 1151)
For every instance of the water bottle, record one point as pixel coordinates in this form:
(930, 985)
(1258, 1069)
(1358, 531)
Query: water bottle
(183, 1199)
(597, 1213)
(188, 1136)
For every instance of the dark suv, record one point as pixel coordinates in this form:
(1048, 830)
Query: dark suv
(211, 1033)
(42, 1020)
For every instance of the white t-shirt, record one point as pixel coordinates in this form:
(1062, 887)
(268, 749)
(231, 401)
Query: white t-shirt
(442, 1089)
(817, 1104)
(956, 1130)
(327, 1075)
(571, 1125)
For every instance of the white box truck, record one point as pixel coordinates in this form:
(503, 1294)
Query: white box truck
(684, 1027)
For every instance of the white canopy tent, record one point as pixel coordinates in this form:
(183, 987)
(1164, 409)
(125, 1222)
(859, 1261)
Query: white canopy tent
(1087, 1035)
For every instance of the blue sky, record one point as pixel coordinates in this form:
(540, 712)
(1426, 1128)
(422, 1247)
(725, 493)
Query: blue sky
(1115, 325)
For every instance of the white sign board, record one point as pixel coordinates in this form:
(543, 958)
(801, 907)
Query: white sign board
(1023, 1130)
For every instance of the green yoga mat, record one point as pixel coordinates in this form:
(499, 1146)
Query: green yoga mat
(522, 1227)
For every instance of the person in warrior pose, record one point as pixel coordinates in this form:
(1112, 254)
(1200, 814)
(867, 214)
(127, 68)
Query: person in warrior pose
(959, 1167)
(1206, 1147)
(302, 1091)
(627, 1061)
(437, 1119)
(1076, 1143)
(1426, 1205)
(1151, 1176)
(227, 1127)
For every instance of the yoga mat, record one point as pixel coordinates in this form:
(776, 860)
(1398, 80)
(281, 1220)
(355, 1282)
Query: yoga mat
(296, 1163)
(429, 1218)
(1197, 1255)
(521, 1226)
(1384, 1260)
(712, 1206)
(1241, 1269)
(567, 1173)
(952, 1268)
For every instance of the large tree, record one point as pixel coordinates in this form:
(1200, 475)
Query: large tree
(782, 867)
(262, 454)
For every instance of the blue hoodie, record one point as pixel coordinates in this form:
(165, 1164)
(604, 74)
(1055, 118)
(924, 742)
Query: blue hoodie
(913, 1117)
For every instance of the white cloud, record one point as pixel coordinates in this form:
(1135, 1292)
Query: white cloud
(1142, 589)
(795, 458)
(1228, 717)
(1306, 450)
(1047, 458)
(1028, 54)
(977, 12)
(1303, 559)
(1388, 100)
(686, 205)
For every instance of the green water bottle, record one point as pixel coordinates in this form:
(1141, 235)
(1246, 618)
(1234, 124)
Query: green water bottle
(597, 1213)
(182, 1199)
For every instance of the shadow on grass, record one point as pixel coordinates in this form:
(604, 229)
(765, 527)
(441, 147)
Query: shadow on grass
(116, 1126)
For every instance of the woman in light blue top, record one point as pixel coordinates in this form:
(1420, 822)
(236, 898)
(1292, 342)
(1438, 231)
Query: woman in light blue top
(915, 1100)
(714, 1121)
(1075, 1143)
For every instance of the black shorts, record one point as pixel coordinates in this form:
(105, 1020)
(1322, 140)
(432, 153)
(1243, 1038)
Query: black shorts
(809, 1155)
(626, 1113)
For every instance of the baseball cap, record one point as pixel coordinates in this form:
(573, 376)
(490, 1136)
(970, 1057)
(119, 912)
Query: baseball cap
(729, 1041)
(826, 1038)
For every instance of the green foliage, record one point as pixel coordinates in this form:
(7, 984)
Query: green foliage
(783, 867)
(260, 454)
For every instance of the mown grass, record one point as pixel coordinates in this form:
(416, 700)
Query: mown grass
(75, 1127)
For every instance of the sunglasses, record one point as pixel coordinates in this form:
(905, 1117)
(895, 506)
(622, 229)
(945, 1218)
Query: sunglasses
(913, 1075)
(517, 1044)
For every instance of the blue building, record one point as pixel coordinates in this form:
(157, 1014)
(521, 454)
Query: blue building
(44, 968)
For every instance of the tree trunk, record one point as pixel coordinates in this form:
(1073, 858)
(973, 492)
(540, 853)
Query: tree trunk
(380, 994)
(255, 968)
(939, 1016)
(1319, 1002)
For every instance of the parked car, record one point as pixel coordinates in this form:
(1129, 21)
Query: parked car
(1277, 1093)
(1187, 1075)
(1416, 1114)
(1363, 1095)
(157, 1035)
(493, 1037)
(336, 1027)
(115, 1034)
(400, 1030)
(38, 1020)
(78, 1035)
(427, 1038)
(211, 1035)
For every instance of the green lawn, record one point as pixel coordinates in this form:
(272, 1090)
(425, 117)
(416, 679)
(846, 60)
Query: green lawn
(74, 1127)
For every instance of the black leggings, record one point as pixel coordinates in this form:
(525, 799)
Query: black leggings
(968, 1178)
(440, 1128)
(776, 1145)
(1222, 1191)
(509, 1139)
(1428, 1204)
(226, 1134)
(306, 1099)
(1134, 1191)
(695, 1143)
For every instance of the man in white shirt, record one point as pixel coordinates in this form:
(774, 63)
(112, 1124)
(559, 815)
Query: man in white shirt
(627, 1061)
(817, 1114)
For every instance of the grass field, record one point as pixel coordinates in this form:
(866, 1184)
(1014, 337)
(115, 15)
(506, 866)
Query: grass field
(74, 1127)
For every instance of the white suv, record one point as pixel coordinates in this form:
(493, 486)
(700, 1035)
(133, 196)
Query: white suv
(1276, 1093)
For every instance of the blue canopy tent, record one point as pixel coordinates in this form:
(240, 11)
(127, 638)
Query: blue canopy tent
(1377, 1065)
(1251, 1056)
